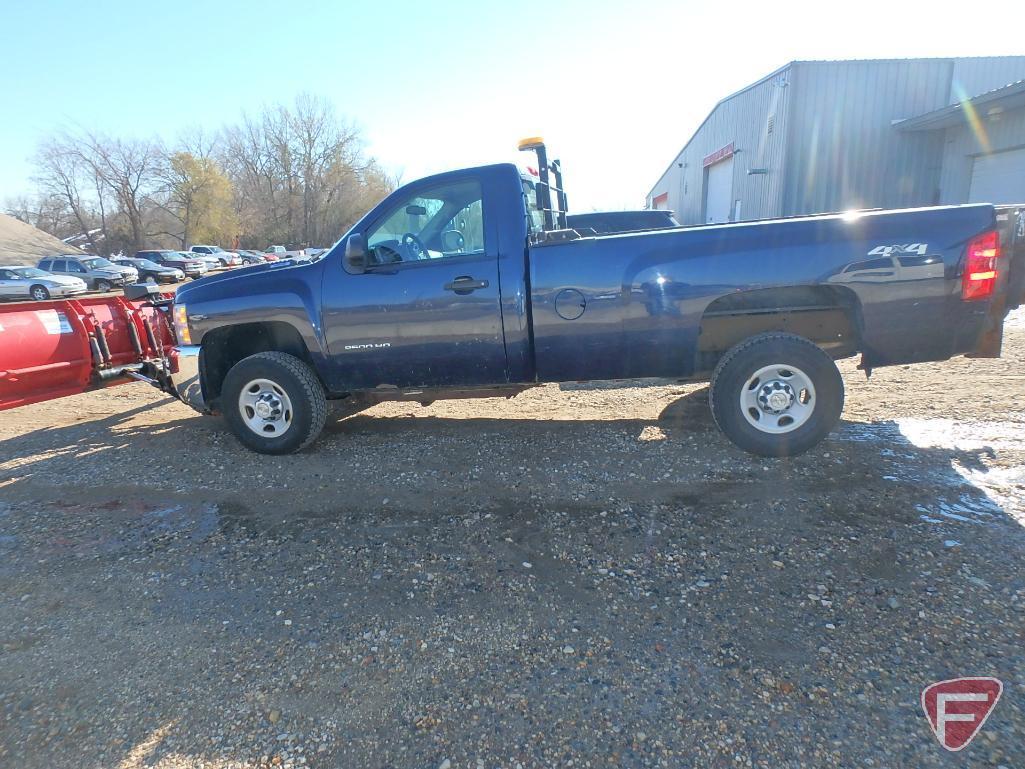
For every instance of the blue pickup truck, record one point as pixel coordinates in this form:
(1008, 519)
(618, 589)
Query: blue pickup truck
(470, 284)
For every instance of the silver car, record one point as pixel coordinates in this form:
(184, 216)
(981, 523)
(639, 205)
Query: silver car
(97, 272)
(24, 282)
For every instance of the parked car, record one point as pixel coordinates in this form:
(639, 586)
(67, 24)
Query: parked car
(192, 267)
(415, 303)
(24, 282)
(251, 257)
(608, 222)
(98, 273)
(226, 258)
(211, 261)
(283, 253)
(151, 272)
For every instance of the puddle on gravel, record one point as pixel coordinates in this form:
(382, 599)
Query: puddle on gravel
(978, 493)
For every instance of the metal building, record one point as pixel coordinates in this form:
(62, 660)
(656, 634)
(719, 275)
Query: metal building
(818, 136)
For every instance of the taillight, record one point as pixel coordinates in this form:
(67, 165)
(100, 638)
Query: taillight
(980, 269)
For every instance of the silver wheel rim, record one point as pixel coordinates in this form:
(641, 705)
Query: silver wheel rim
(151, 280)
(39, 295)
(777, 399)
(265, 408)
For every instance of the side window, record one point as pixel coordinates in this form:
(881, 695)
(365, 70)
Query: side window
(46, 264)
(75, 267)
(6, 275)
(59, 265)
(442, 222)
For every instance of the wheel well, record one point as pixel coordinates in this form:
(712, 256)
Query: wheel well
(829, 316)
(224, 347)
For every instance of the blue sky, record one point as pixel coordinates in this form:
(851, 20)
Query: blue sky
(615, 87)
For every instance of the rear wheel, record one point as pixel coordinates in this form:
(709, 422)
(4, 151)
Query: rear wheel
(776, 394)
(274, 403)
(39, 293)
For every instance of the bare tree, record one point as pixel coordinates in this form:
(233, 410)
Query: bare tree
(294, 174)
(300, 173)
(128, 169)
(64, 173)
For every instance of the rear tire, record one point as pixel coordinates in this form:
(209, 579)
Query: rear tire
(39, 293)
(298, 387)
(776, 394)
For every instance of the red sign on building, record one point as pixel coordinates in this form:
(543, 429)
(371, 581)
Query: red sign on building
(719, 154)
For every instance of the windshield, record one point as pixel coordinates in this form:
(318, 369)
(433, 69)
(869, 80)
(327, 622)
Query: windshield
(146, 264)
(30, 272)
(216, 249)
(98, 263)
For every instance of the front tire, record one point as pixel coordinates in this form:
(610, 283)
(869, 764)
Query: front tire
(274, 403)
(104, 285)
(776, 394)
(39, 293)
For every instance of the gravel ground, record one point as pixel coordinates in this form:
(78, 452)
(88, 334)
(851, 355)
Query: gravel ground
(577, 577)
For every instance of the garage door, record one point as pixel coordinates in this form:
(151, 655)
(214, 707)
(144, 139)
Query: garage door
(719, 191)
(998, 178)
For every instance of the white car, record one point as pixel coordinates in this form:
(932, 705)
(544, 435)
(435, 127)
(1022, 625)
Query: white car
(283, 253)
(24, 282)
(223, 258)
(211, 261)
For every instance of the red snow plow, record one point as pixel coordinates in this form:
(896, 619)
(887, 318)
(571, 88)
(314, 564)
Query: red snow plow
(63, 347)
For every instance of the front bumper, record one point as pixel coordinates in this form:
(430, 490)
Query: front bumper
(68, 290)
(185, 378)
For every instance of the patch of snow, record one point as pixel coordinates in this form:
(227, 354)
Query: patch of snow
(1015, 319)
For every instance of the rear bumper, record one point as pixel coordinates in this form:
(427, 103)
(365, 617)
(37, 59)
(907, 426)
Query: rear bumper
(185, 377)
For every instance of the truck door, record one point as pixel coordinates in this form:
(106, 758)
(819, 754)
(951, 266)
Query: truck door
(426, 312)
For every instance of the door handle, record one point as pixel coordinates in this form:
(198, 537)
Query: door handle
(465, 284)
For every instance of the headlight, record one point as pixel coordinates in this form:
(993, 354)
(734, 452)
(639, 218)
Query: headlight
(178, 274)
(181, 324)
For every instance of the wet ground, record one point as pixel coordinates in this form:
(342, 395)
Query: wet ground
(575, 577)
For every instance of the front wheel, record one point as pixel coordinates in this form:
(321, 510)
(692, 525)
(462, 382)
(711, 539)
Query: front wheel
(274, 403)
(104, 285)
(39, 293)
(776, 394)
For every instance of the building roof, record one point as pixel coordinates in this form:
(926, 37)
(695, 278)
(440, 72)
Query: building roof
(1010, 96)
(21, 243)
(760, 81)
(823, 62)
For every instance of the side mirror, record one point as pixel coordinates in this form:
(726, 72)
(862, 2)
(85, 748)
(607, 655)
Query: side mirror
(356, 254)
